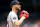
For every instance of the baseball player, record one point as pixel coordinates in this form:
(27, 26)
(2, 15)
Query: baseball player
(12, 19)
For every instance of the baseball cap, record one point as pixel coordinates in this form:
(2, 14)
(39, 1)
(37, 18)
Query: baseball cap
(14, 3)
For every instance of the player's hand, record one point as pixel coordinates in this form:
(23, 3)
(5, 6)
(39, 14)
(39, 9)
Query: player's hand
(24, 13)
(23, 17)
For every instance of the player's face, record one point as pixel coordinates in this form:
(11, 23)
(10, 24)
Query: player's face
(18, 6)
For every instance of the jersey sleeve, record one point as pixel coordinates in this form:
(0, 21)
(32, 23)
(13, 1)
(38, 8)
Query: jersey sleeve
(14, 17)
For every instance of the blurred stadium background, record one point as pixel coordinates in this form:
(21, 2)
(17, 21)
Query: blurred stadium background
(32, 6)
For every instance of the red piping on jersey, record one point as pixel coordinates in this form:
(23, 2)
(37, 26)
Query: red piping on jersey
(8, 23)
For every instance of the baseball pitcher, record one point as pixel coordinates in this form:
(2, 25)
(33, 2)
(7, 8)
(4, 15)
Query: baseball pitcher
(12, 19)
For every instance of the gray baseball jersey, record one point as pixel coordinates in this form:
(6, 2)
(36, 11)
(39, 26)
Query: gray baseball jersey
(12, 17)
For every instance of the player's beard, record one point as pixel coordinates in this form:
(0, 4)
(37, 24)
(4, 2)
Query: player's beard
(17, 8)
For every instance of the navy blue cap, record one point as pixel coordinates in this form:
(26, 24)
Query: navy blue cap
(14, 3)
